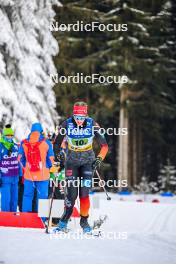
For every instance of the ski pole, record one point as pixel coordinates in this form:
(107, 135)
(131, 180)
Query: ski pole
(50, 209)
(107, 195)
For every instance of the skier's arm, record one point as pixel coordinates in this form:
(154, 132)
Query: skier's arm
(101, 140)
(58, 142)
(64, 144)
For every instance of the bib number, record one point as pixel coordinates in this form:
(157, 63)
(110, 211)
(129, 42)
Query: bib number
(79, 142)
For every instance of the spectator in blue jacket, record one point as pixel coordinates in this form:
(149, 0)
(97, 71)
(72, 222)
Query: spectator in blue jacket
(10, 171)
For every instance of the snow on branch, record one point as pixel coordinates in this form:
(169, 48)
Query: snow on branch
(27, 48)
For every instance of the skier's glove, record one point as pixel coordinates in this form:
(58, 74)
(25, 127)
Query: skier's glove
(0, 182)
(97, 163)
(62, 157)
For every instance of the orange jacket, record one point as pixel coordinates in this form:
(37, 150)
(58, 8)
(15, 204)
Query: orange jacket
(46, 154)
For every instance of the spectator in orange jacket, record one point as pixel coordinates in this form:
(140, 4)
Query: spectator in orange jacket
(36, 156)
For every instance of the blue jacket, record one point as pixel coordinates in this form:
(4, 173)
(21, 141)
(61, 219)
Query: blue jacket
(9, 165)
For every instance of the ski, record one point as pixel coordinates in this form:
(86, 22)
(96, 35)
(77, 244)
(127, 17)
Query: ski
(98, 223)
(96, 226)
(55, 231)
(94, 232)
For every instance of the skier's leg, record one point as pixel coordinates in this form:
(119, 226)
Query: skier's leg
(57, 196)
(86, 183)
(71, 191)
(71, 194)
(5, 195)
(14, 195)
(28, 196)
(84, 206)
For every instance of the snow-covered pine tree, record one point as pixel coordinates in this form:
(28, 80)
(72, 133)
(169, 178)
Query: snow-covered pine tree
(146, 187)
(160, 110)
(167, 178)
(143, 186)
(26, 50)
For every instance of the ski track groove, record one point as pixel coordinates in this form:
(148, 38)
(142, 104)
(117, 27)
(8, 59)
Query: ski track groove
(158, 222)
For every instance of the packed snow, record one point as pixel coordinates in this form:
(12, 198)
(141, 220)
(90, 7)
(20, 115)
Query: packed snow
(134, 233)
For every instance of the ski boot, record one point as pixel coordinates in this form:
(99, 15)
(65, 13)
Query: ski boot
(85, 225)
(61, 227)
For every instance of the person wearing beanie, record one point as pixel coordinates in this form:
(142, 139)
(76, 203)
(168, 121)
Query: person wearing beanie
(10, 170)
(36, 157)
(80, 162)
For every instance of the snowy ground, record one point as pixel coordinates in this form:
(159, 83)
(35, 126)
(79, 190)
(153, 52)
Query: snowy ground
(134, 233)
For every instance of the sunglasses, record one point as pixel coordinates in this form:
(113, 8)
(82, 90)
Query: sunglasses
(79, 118)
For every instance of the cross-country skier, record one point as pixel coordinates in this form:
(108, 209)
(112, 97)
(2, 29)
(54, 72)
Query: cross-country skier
(10, 170)
(80, 161)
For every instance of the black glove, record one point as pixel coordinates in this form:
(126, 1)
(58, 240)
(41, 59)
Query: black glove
(0, 182)
(61, 158)
(97, 163)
